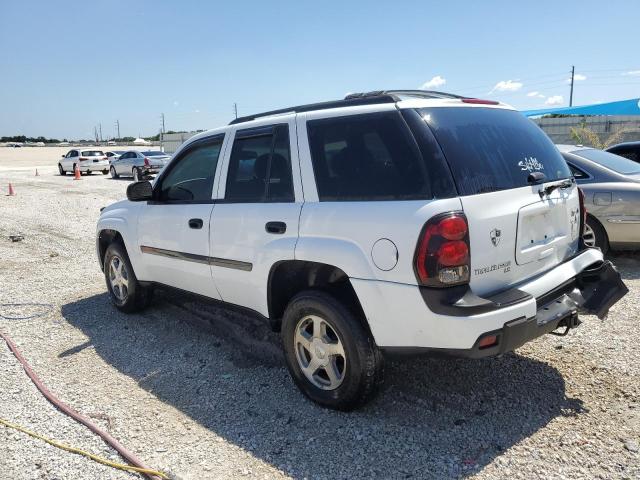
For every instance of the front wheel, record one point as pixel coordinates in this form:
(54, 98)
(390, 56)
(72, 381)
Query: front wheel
(330, 354)
(126, 293)
(113, 172)
(61, 170)
(104, 172)
(136, 174)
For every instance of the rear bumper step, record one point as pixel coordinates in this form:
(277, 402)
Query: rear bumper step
(592, 291)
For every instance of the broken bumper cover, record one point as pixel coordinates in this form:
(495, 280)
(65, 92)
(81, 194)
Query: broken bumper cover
(593, 291)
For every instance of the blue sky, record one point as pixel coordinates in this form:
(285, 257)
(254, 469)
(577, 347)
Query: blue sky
(68, 65)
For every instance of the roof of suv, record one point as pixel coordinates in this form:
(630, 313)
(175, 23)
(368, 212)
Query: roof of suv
(372, 98)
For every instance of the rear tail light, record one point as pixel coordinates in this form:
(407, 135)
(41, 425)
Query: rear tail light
(442, 255)
(583, 211)
(146, 162)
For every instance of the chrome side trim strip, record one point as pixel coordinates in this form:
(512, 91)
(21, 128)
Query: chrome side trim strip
(624, 220)
(191, 257)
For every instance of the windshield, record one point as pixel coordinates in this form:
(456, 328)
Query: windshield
(154, 154)
(609, 160)
(92, 153)
(491, 149)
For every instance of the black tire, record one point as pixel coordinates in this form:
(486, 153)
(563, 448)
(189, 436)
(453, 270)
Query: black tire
(113, 173)
(104, 172)
(363, 362)
(602, 241)
(137, 296)
(61, 170)
(89, 172)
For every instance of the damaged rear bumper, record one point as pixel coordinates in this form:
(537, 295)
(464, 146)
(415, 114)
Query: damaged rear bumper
(592, 291)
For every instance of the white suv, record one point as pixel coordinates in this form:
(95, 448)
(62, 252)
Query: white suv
(387, 222)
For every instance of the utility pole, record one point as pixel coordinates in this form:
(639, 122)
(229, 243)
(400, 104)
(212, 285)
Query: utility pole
(162, 116)
(95, 133)
(573, 71)
(118, 127)
(100, 124)
(235, 109)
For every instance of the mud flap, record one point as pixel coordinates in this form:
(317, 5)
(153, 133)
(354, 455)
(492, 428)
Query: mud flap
(598, 288)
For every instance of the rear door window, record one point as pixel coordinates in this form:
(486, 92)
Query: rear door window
(491, 149)
(260, 166)
(370, 157)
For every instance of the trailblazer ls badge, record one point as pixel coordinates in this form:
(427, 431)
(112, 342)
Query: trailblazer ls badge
(495, 236)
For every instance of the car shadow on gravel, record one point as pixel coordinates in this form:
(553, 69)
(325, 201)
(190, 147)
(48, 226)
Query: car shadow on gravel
(434, 418)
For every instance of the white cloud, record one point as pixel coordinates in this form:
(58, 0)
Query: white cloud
(532, 94)
(633, 73)
(578, 77)
(554, 100)
(435, 82)
(507, 86)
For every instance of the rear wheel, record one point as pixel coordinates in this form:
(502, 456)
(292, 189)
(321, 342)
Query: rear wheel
(89, 172)
(61, 170)
(126, 293)
(113, 172)
(104, 172)
(595, 235)
(136, 174)
(330, 354)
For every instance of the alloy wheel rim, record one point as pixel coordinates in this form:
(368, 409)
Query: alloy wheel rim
(589, 236)
(118, 278)
(319, 352)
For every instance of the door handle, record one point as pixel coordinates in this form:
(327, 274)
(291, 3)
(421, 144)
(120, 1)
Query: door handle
(195, 223)
(276, 227)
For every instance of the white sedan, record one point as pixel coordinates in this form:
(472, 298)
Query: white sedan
(88, 161)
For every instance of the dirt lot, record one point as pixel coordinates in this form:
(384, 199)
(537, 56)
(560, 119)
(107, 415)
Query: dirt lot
(202, 392)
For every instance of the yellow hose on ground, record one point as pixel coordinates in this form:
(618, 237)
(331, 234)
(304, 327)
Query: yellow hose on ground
(95, 458)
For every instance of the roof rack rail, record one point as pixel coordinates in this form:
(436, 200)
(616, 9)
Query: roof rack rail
(352, 100)
(401, 93)
(347, 102)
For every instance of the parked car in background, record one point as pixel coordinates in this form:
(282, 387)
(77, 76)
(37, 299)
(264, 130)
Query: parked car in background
(630, 150)
(88, 161)
(611, 185)
(138, 164)
(114, 154)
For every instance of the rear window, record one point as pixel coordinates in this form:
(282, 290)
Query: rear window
(92, 153)
(609, 160)
(491, 149)
(369, 157)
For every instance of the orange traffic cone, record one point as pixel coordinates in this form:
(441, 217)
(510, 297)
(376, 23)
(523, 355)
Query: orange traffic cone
(37, 174)
(11, 192)
(76, 173)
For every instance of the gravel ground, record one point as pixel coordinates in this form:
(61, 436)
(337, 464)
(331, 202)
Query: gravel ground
(202, 392)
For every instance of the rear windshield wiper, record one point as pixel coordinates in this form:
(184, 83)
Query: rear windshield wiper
(566, 184)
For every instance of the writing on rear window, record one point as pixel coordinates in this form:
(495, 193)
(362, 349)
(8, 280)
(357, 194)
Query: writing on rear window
(530, 164)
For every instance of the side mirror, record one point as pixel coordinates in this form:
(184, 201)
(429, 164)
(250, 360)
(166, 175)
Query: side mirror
(139, 191)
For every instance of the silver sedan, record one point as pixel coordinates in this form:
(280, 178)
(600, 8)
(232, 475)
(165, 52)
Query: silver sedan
(138, 165)
(611, 185)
